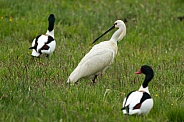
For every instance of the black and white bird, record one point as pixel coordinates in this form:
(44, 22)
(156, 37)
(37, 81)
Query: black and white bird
(45, 43)
(140, 102)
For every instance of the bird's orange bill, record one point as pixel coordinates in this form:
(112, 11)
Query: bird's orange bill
(104, 33)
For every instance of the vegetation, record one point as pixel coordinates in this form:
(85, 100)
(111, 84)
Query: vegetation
(35, 89)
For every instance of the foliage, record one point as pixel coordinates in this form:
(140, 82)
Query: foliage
(35, 89)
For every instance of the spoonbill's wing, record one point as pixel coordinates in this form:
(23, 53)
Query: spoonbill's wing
(95, 61)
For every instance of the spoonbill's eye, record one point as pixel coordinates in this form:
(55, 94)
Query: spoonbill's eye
(115, 23)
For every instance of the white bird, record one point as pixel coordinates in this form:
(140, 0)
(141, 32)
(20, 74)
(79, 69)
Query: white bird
(45, 43)
(98, 59)
(140, 102)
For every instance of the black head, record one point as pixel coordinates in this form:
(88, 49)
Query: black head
(148, 71)
(145, 69)
(51, 18)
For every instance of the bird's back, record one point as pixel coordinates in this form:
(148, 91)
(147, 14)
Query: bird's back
(133, 99)
(138, 102)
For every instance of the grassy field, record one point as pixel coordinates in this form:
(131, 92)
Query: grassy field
(35, 89)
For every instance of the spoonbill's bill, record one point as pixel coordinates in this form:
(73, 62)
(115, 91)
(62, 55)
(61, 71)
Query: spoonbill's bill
(45, 43)
(98, 59)
(140, 102)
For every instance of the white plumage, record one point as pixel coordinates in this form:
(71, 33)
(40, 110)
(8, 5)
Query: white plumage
(45, 43)
(97, 60)
(140, 102)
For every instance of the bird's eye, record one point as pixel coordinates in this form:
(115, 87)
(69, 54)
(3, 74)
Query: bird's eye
(115, 23)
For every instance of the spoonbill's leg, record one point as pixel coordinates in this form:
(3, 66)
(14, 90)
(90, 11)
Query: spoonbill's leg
(94, 78)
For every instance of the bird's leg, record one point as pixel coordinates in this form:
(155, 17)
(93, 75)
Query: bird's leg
(33, 57)
(47, 55)
(94, 78)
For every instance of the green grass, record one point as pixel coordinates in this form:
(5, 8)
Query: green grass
(36, 89)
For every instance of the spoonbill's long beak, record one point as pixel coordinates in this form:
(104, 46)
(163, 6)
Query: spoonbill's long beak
(104, 33)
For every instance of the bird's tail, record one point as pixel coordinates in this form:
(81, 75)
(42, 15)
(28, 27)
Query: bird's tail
(125, 109)
(35, 54)
(74, 76)
(68, 81)
(33, 48)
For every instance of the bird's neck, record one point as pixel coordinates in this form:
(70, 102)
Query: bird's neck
(147, 80)
(51, 25)
(50, 30)
(50, 33)
(142, 89)
(118, 35)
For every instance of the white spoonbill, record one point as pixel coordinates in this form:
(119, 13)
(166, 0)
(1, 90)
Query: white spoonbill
(140, 102)
(98, 59)
(45, 43)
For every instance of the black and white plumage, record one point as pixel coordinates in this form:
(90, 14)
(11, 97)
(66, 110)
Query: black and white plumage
(140, 102)
(45, 43)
